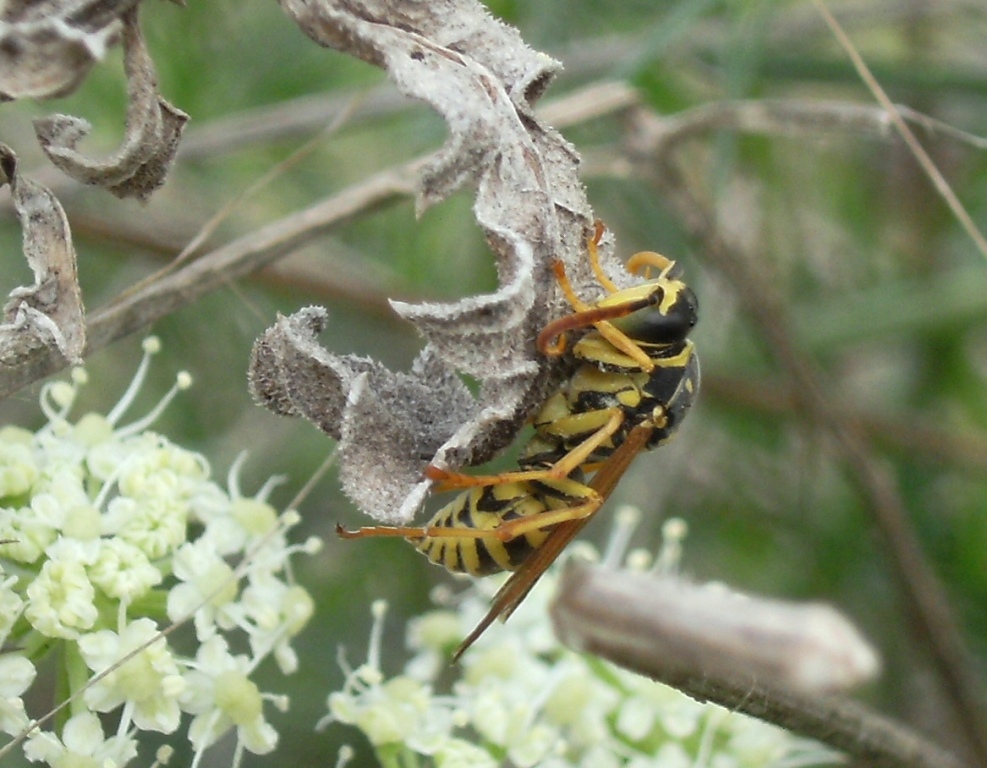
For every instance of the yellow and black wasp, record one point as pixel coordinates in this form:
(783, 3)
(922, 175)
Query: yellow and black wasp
(635, 376)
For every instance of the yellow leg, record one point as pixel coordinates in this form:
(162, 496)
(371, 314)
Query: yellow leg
(570, 295)
(639, 262)
(626, 345)
(594, 259)
(522, 525)
(504, 531)
(450, 481)
(552, 341)
(407, 532)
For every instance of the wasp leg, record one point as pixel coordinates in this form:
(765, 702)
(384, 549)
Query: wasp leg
(502, 531)
(439, 531)
(621, 340)
(594, 259)
(433, 532)
(639, 262)
(551, 341)
(410, 532)
(514, 528)
(450, 481)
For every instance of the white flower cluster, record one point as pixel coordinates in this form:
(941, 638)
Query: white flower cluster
(521, 699)
(111, 534)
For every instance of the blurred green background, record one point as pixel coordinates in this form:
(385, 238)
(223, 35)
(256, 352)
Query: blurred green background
(886, 294)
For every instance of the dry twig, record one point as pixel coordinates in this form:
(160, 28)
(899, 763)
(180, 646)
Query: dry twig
(757, 667)
(924, 598)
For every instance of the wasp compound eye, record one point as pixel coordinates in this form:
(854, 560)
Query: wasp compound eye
(651, 325)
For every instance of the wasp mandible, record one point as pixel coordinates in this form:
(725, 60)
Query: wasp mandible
(636, 375)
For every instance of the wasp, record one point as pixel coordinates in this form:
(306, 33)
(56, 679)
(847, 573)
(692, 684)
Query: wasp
(635, 375)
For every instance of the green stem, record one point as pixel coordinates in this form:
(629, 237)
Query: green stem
(75, 674)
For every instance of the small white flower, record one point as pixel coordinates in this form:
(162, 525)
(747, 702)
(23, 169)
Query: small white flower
(678, 715)
(207, 586)
(156, 525)
(221, 695)
(16, 675)
(61, 599)
(277, 611)
(90, 430)
(506, 703)
(435, 631)
(161, 470)
(387, 712)
(432, 636)
(82, 745)
(11, 604)
(148, 683)
(123, 571)
(30, 529)
(235, 522)
(672, 755)
(635, 719)
(83, 522)
(458, 753)
(580, 703)
(753, 742)
(95, 515)
(18, 468)
(257, 518)
(600, 755)
(62, 480)
(400, 710)
(105, 455)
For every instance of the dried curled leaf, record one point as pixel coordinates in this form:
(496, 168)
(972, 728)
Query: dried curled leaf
(378, 416)
(47, 47)
(153, 130)
(50, 312)
(482, 78)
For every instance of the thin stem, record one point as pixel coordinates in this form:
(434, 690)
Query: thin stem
(917, 150)
(924, 598)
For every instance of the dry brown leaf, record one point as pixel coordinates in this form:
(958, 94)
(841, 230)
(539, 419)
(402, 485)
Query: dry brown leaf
(293, 375)
(47, 47)
(153, 130)
(50, 312)
(481, 77)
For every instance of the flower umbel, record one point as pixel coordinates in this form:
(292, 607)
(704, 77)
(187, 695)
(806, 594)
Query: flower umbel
(111, 532)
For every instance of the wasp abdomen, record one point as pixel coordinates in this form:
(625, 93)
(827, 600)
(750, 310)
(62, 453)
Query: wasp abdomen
(488, 508)
(485, 508)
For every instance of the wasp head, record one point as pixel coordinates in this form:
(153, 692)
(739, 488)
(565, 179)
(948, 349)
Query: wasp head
(658, 312)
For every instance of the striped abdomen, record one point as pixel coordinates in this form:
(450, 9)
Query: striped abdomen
(486, 508)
